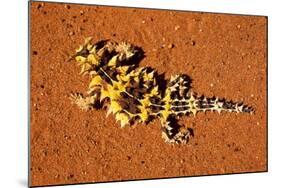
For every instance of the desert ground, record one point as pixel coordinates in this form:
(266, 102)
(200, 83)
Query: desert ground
(225, 55)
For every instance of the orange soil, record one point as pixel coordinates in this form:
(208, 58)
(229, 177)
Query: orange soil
(225, 55)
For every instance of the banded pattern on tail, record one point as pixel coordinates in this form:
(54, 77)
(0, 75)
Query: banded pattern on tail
(215, 104)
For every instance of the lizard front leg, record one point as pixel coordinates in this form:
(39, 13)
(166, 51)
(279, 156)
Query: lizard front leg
(86, 102)
(173, 133)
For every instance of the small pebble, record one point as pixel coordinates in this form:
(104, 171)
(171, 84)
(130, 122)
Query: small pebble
(249, 66)
(193, 43)
(212, 85)
(84, 172)
(258, 123)
(143, 21)
(200, 30)
(170, 46)
(80, 29)
(67, 6)
(177, 27)
(81, 12)
(71, 33)
(238, 26)
(40, 6)
(252, 95)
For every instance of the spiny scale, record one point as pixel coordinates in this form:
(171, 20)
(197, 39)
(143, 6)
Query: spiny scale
(133, 94)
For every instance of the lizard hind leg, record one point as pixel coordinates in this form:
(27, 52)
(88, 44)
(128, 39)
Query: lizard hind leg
(179, 86)
(173, 133)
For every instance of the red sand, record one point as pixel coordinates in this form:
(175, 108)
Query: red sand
(225, 55)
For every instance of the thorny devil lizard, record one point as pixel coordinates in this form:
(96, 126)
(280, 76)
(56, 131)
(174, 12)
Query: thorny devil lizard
(136, 94)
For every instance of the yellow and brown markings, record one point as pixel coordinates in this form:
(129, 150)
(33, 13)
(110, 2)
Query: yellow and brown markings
(133, 94)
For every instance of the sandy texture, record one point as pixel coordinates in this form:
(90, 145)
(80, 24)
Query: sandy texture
(225, 55)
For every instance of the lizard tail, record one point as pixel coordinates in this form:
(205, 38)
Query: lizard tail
(183, 101)
(215, 104)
